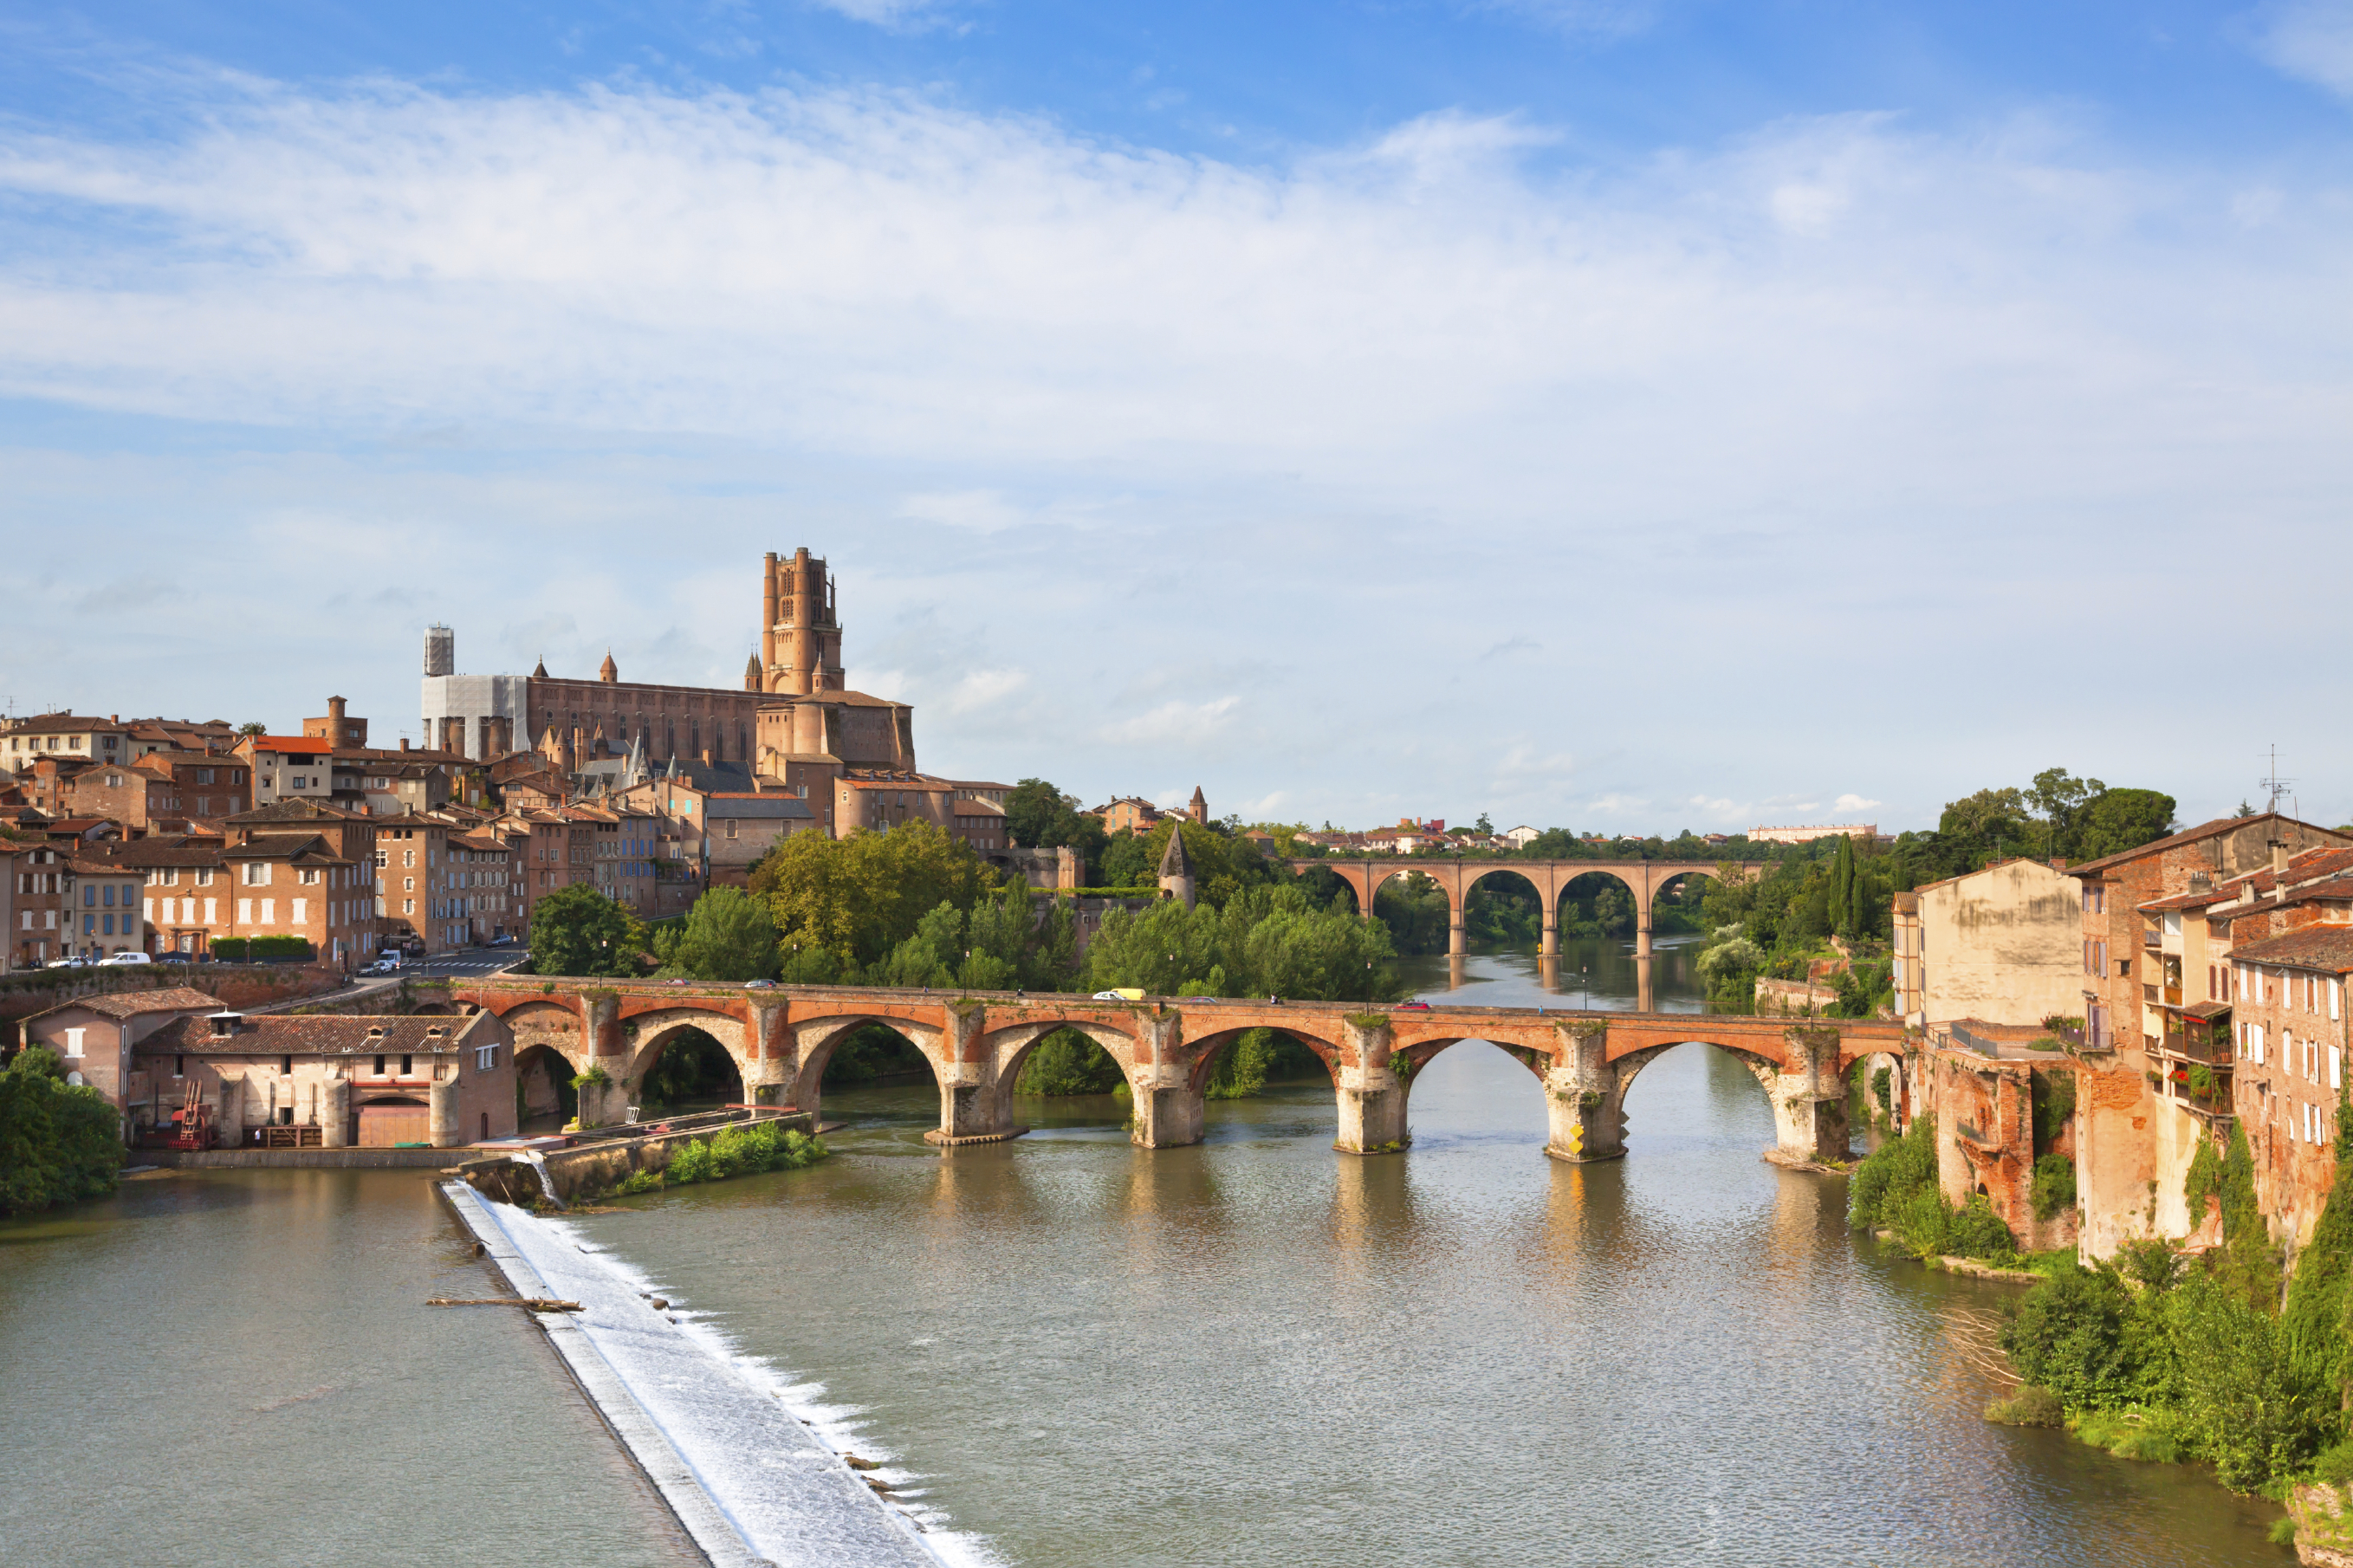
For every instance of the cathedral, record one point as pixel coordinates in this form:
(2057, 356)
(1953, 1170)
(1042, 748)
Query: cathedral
(794, 720)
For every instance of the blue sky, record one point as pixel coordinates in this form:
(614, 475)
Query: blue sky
(1597, 413)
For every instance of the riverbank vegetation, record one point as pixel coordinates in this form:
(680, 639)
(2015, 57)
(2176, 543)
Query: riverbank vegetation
(2160, 1355)
(732, 1151)
(1894, 1189)
(59, 1141)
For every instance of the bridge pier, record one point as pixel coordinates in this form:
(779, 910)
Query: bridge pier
(1549, 945)
(608, 1104)
(1642, 956)
(1810, 1096)
(1584, 1103)
(1371, 1096)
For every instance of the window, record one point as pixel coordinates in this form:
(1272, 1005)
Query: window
(270, 911)
(486, 1058)
(2255, 1043)
(307, 875)
(2335, 1067)
(302, 912)
(106, 896)
(285, 1066)
(106, 926)
(405, 1062)
(245, 911)
(203, 879)
(73, 1042)
(379, 1066)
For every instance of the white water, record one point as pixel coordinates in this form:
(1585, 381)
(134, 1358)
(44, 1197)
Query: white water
(757, 1445)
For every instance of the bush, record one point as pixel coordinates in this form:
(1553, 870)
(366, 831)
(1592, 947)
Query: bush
(2069, 1337)
(2030, 1407)
(640, 1182)
(260, 948)
(1892, 1172)
(2054, 1185)
(742, 1151)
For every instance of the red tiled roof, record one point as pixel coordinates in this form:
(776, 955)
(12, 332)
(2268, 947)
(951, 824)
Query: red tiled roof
(2204, 830)
(2326, 948)
(132, 1003)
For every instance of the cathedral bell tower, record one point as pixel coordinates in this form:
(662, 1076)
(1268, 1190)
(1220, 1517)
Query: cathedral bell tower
(801, 640)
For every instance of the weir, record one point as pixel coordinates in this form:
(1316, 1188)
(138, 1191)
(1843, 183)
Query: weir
(750, 1482)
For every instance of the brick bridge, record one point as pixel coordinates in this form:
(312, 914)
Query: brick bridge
(1641, 878)
(782, 1038)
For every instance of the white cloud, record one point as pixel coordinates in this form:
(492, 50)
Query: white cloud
(2309, 39)
(892, 15)
(983, 510)
(985, 689)
(1174, 724)
(1846, 802)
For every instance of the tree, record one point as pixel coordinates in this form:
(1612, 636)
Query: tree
(579, 931)
(861, 897)
(59, 1141)
(2060, 798)
(2124, 819)
(1265, 941)
(728, 935)
(253, 727)
(1040, 817)
(1484, 827)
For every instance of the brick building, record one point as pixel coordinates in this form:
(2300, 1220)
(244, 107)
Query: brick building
(2002, 943)
(327, 1080)
(2134, 1131)
(2288, 1011)
(94, 1036)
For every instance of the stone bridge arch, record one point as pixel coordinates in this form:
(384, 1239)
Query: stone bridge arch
(1205, 1049)
(1007, 1051)
(811, 1042)
(647, 1034)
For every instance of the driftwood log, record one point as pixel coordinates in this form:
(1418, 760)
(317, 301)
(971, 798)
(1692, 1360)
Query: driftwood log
(531, 1303)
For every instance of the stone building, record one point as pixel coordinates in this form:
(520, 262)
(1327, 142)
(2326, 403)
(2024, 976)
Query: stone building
(2000, 943)
(2288, 1038)
(2135, 1139)
(329, 1080)
(94, 1036)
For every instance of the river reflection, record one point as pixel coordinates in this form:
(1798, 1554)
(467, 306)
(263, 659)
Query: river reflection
(1259, 1352)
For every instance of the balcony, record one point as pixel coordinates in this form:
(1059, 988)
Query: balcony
(2153, 936)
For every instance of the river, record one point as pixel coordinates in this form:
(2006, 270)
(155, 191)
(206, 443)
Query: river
(1254, 1351)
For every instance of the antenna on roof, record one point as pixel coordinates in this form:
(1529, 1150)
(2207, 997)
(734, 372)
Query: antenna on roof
(2275, 785)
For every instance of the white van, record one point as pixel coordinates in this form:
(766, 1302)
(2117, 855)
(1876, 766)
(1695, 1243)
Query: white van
(128, 955)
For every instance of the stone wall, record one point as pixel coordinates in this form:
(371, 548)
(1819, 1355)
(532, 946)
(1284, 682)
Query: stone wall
(241, 986)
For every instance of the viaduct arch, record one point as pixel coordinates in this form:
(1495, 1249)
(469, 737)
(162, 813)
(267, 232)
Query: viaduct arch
(781, 1038)
(1642, 880)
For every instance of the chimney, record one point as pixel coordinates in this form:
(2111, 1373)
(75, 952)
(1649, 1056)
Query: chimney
(2279, 858)
(404, 743)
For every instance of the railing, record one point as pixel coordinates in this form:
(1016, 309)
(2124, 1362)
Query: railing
(2173, 995)
(1969, 1041)
(2154, 936)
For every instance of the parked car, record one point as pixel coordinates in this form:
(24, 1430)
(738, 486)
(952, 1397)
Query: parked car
(174, 958)
(759, 986)
(1200, 998)
(382, 966)
(502, 941)
(1124, 993)
(673, 981)
(126, 957)
(1413, 1006)
(71, 960)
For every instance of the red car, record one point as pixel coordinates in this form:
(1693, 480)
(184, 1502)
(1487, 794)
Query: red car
(1413, 1006)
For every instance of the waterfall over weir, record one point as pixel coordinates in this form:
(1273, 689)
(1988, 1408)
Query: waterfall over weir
(749, 1481)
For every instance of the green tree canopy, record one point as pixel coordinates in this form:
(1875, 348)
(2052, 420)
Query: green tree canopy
(59, 1141)
(861, 897)
(2122, 819)
(1265, 941)
(1040, 817)
(579, 931)
(727, 935)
